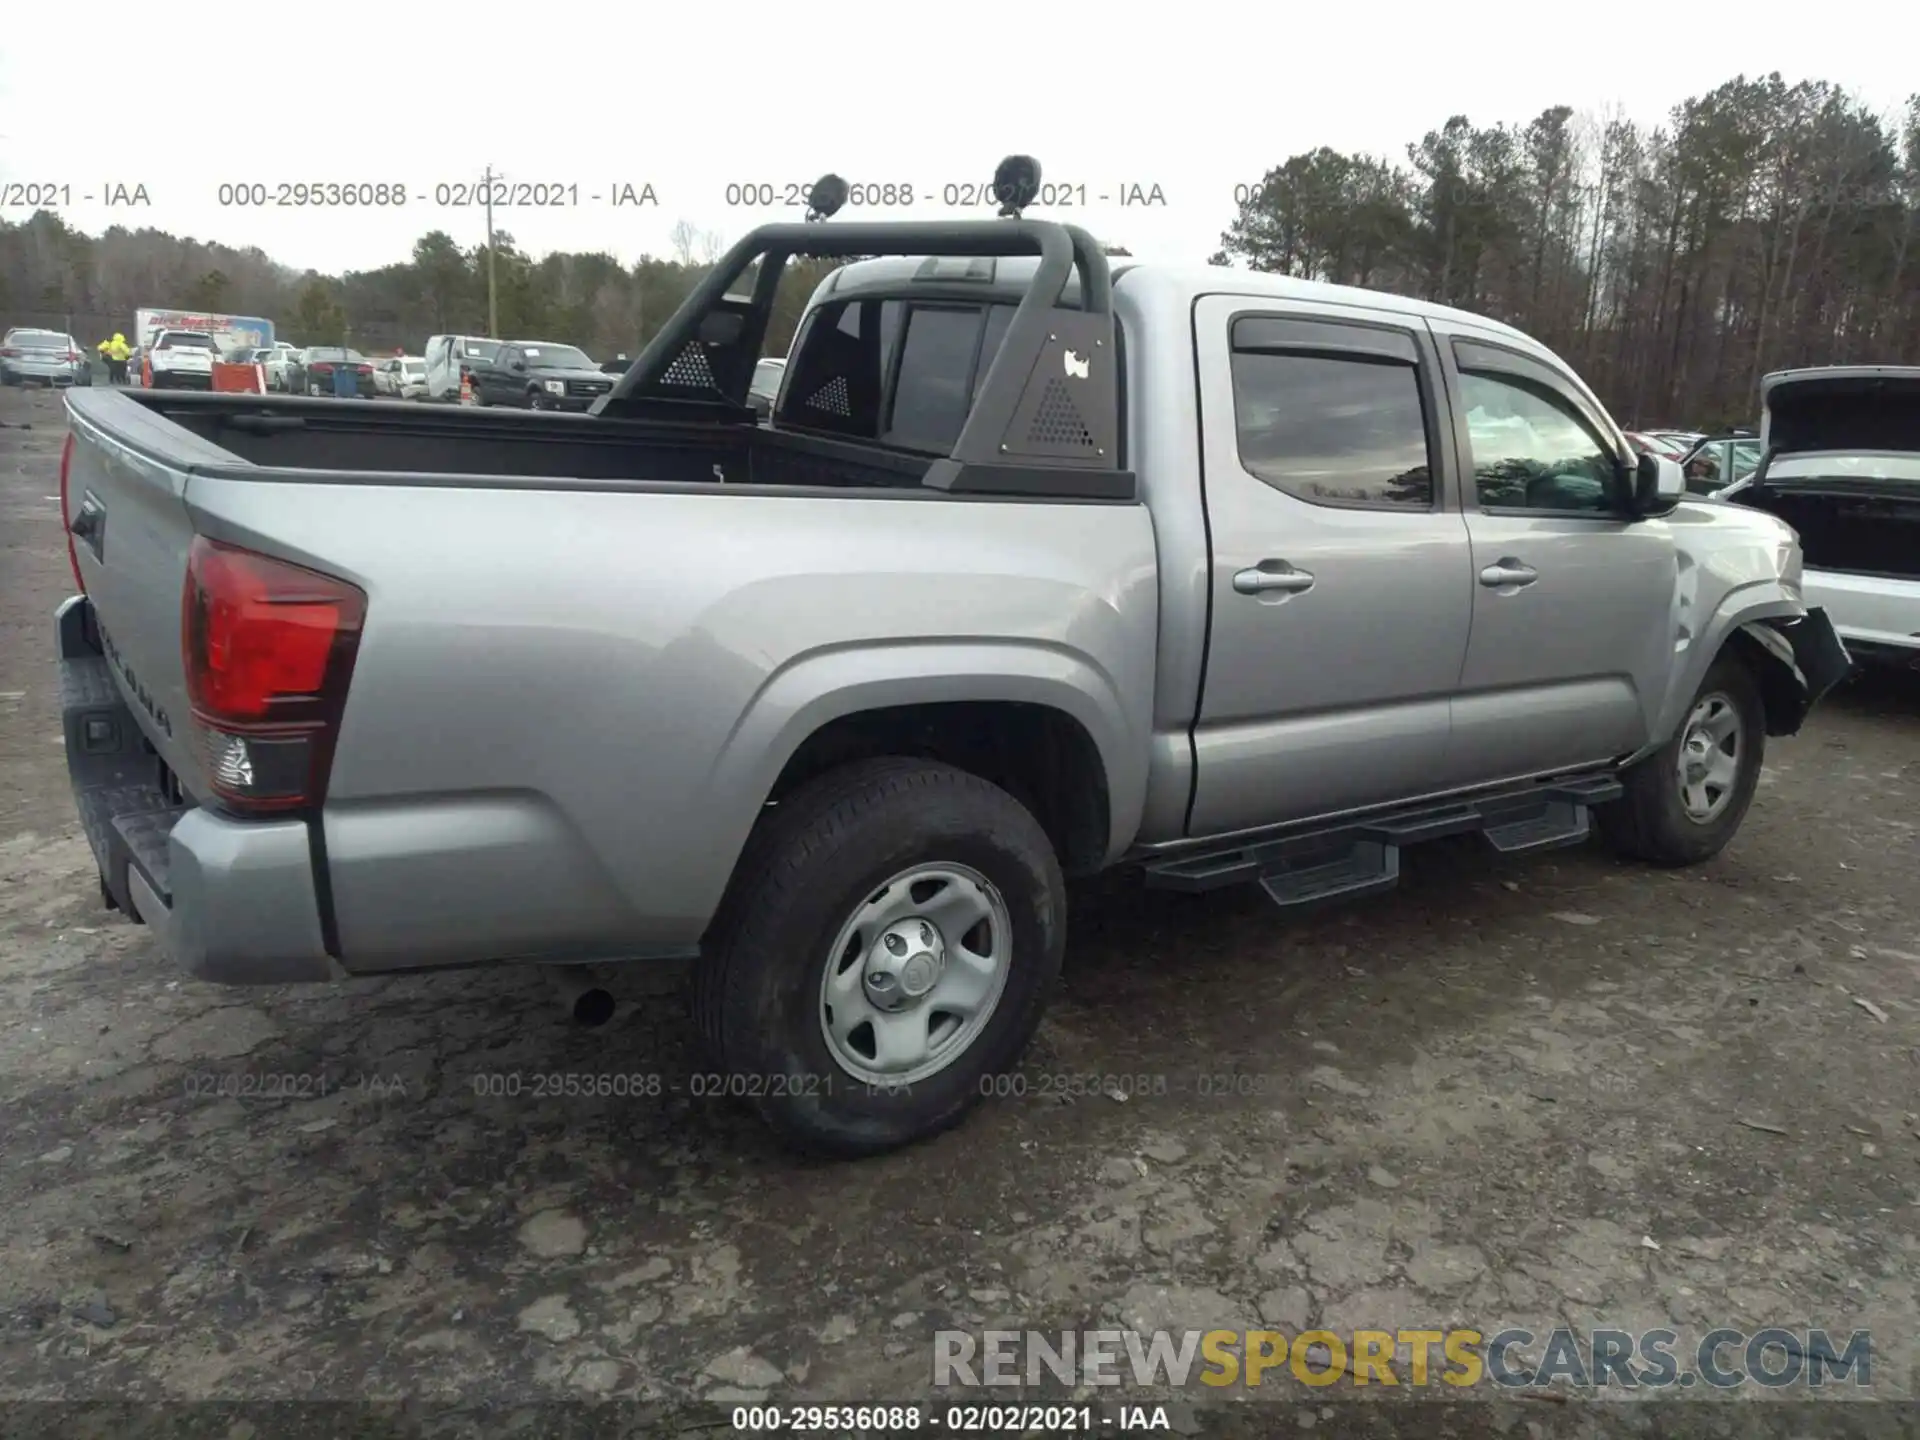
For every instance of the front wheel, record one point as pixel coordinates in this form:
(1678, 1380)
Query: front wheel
(1685, 801)
(886, 949)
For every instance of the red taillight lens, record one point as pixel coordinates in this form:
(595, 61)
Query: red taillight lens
(9, 354)
(364, 369)
(321, 367)
(269, 650)
(66, 512)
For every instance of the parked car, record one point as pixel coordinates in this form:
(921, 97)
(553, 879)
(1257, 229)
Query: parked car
(451, 357)
(278, 362)
(1648, 443)
(764, 389)
(43, 357)
(1841, 448)
(401, 377)
(314, 370)
(538, 375)
(830, 706)
(180, 360)
(1715, 462)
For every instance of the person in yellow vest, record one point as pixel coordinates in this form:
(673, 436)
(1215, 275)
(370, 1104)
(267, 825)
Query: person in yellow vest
(115, 353)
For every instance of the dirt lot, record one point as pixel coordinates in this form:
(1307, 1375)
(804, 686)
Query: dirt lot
(1556, 1091)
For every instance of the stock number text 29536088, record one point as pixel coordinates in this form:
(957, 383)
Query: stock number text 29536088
(446, 194)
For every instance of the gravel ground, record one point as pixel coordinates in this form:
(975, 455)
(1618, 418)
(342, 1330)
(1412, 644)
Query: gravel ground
(1530, 1092)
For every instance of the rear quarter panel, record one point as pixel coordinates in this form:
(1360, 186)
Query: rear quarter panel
(569, 706)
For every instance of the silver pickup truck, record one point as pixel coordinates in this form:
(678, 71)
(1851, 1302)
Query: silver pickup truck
(1039, 567)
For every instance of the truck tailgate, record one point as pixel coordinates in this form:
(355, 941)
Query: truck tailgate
(129, 470)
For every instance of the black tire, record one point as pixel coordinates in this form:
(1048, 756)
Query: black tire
(1651, 822)
(806, 869)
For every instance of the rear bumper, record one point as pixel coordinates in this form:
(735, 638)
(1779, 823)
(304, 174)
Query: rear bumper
(230, 901)
(35, 372)
(181, 380)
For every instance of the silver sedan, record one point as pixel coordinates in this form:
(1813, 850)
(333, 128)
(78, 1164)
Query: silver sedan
(43, 357)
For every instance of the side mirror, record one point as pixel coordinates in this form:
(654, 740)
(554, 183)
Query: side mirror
(516, 363)
(1659, 484)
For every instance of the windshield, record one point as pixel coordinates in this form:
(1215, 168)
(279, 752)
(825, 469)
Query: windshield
(183, 340)
(335, 353)
(481, 349)
(40, 340)
(559, 357)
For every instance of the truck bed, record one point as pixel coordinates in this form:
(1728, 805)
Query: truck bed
(586, 656)
(362, 439)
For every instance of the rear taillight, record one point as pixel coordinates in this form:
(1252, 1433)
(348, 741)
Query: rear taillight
(9, 354)
(364, 369)
(269, 649)
(321, 367)
(66, 511)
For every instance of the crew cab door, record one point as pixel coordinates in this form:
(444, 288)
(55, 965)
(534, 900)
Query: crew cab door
(491, 380)
(1573, 603)
(1340, 588)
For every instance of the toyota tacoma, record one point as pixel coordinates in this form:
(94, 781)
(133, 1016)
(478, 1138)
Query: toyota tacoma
(1039, 567)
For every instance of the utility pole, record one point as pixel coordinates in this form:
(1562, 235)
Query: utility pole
(493, 294)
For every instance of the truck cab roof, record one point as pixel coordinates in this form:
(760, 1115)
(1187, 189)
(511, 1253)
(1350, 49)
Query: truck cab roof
(1003, 280)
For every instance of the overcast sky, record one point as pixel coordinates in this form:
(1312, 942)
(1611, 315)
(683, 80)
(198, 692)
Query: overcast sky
(690, 99)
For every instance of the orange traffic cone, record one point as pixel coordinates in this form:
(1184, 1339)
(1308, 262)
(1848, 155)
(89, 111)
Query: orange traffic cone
(466, 388)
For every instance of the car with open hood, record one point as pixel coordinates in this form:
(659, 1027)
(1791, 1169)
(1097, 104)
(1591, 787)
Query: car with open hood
(1840, 463)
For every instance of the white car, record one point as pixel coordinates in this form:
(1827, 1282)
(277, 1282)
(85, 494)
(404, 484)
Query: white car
(1840, 462)
(276, 361)
(403, 377)
(182, 360)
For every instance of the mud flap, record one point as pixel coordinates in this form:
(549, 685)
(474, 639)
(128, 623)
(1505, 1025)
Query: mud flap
(1809, 649)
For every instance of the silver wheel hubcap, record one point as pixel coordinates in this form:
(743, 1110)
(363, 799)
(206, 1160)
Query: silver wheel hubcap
(1709, 757)
(915, 974)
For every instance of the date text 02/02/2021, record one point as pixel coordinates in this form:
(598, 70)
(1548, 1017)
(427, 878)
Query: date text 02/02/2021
(960, 195)
(442, 194)
(954, 1419)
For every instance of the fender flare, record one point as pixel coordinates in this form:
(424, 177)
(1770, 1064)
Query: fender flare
(822, 686)
(1766, 620)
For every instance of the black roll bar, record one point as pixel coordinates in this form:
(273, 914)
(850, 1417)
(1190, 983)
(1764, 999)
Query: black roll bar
(1063, 250)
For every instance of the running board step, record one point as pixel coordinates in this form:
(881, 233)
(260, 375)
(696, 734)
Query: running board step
(1560, 823)
(1367, 869)
(1362, 857)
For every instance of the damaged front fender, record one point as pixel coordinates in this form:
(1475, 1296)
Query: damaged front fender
(1804, 659)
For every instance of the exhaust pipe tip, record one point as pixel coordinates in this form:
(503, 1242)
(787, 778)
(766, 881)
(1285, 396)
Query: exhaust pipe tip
(592, 1008)
(582, 996)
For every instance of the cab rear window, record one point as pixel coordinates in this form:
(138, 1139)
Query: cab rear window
(902, 373)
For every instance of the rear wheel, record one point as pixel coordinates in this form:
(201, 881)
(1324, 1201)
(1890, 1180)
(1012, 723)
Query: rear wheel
(1685, 801)
(887, 946)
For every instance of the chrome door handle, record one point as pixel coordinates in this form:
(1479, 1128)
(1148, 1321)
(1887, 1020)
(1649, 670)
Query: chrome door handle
(1508, 571)
(1259, 581)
